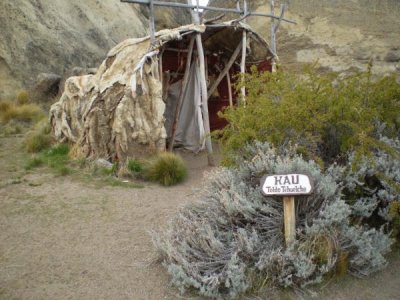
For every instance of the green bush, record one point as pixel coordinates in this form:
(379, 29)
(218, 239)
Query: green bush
(166, 168)
(372, 188)
(324, 115)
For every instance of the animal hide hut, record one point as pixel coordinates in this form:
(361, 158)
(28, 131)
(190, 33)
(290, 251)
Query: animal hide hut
(128, 109)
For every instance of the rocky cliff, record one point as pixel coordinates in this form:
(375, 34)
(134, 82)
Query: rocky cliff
(341, 35)
(54, 36)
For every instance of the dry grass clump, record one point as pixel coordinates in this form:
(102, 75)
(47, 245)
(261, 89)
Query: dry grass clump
(20, 112)
(22, 98)
(39, 138)
(166, 168)
(11, 128)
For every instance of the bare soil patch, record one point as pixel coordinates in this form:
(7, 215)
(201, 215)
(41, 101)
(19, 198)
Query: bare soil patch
(62, 237)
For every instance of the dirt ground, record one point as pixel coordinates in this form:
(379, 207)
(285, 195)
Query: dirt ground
(63, 237)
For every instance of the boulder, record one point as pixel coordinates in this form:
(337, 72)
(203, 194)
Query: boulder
(393, 56)
(46, 87)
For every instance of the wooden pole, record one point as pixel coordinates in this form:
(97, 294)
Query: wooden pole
(204, 100)
(273, 36)
(289, 219)
(203, 88)
(181, 94)
(191, 6)
(243, 61)
(152, 23)
(225, 70)
(228, 79)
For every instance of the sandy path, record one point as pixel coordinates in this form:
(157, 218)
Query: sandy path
(65, 239)
(61, 238)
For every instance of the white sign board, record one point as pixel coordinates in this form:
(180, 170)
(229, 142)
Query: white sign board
(286, 185)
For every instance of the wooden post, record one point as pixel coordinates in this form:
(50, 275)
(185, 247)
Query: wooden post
(203, 88)
(152, 23)
(181, 94)
(289, 219)
(273, 40)
(225, 70)
(243, 62)
(204, 99)
(228, 79)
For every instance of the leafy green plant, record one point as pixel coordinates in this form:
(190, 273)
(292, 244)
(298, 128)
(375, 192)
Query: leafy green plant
(166, 168)
(324, 115)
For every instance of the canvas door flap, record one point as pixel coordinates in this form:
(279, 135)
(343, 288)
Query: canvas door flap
(190, 129)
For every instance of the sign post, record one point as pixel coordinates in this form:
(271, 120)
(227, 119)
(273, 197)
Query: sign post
(288, 186)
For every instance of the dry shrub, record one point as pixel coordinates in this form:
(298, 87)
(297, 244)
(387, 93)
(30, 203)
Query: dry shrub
(22, 98)
(11, 128)
(39, 138)
(5, 106)
(24, 113)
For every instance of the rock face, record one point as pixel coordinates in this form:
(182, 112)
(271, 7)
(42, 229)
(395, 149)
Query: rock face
(54, 36)
(341, 35)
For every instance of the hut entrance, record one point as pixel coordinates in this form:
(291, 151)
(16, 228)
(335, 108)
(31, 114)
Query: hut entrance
(222, 48)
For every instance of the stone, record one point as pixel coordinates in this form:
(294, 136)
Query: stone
(46, 87)
(393, 56)
(101, 162)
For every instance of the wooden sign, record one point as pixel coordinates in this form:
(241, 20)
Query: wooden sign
(288, 186)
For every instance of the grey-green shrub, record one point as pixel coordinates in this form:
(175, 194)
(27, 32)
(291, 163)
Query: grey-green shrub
(231, 242)
(372, 185)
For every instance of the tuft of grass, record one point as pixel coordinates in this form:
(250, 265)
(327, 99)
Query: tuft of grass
(37, 142)
(23, 113)
(11, 128)
(55, 158)
(22, 98)
(166, 168)
(135, 166)
(103, 171)
(5, 106)
(34, 162)
(39, 139)
(60, 150)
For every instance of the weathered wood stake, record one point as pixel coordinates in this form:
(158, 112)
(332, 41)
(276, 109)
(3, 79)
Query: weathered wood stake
(289, 219)
(225, 70)
(228, 79)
